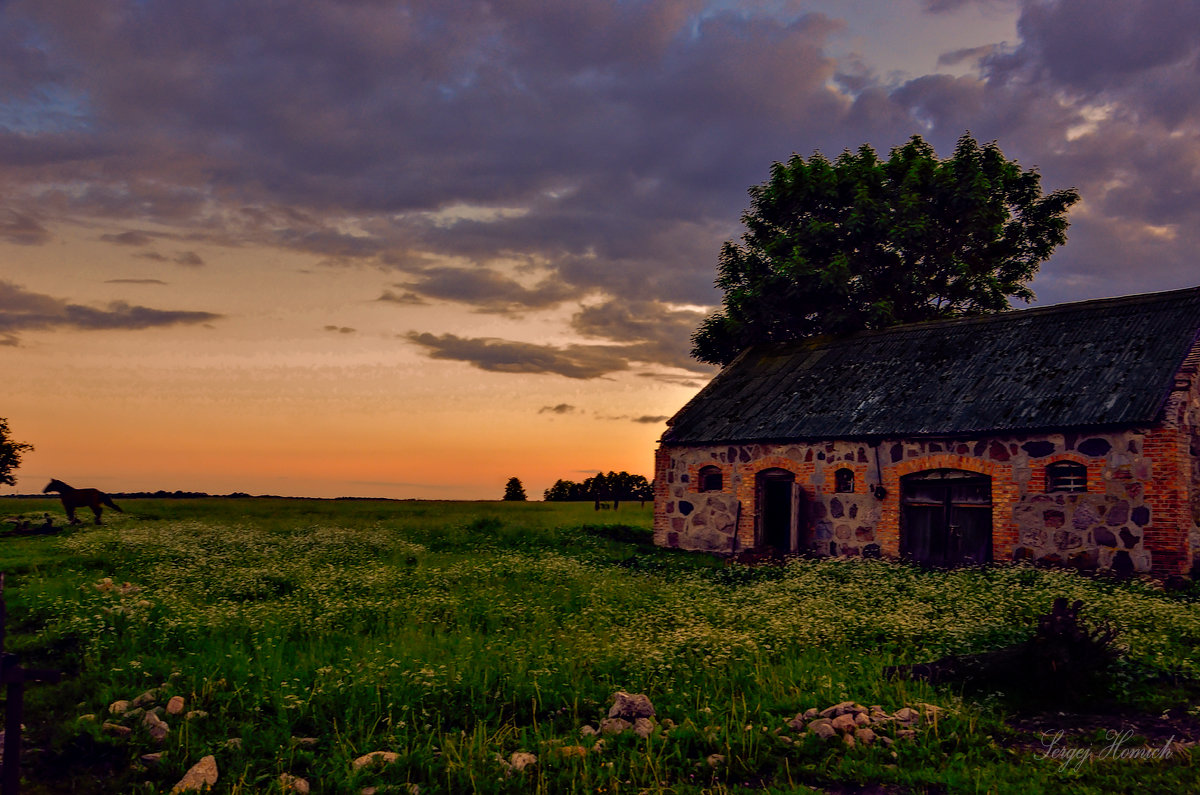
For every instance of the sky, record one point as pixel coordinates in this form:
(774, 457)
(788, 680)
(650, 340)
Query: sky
(412, 249)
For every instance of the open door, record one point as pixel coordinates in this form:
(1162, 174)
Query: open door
(778, 510)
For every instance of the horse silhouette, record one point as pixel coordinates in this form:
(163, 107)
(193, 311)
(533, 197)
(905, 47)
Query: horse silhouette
(79, 498)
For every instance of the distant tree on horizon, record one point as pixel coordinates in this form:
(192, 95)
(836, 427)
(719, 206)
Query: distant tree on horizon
(514, 491)
(613, 486)
(10, 454)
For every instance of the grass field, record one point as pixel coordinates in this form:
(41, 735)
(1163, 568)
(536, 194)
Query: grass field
(454, 635)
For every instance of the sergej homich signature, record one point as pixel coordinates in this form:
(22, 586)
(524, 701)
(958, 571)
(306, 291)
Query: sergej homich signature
(1073, 757)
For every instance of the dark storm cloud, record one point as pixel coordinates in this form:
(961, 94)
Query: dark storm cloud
(22, 310)
(607, 144)
(341, 329)
(561, 408)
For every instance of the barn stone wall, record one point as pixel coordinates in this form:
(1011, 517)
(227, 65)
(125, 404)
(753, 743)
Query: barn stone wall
(1140, 512)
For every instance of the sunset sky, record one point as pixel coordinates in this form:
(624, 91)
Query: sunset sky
(412, 249)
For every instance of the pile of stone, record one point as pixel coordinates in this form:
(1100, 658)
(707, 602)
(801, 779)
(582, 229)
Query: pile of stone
(630, 713)
(853, 724)
(153, 713)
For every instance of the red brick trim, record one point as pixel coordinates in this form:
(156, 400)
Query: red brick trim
(1005, 496)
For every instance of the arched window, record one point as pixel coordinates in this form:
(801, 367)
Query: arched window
(1066, 476)
(843, 481)
(711, 479)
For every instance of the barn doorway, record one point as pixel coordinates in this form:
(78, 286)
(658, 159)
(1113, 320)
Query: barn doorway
(946, 517)
(778, 510)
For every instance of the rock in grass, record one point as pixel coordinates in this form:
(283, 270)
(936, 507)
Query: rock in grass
(631, 706)
(823, 728)
(573, 751)
(175, 705)
(864, 736)
(151, 760)
(118, 707)
(145, 699)
(715, 760)
(305, 742)
(200, 777)
(614, 726)
(116, 730)
(844, 723)
(643, 727)
(157, 727)
(375, 758)
(521, 760)
(290, 783)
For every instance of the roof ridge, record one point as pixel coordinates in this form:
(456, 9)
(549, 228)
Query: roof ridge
(1090, 304)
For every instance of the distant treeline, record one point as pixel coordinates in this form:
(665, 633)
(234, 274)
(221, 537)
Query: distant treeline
(615, 487)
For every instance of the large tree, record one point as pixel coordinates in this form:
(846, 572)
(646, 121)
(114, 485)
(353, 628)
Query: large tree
(10, 454)
(863, 243)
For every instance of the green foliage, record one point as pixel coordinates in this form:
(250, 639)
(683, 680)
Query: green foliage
(514, 491)
(456, 633)
(10, 454)
(861, 243)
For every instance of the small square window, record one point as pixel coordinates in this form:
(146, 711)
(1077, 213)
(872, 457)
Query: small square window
(843, 481)
(711, 479)
(1066, 476)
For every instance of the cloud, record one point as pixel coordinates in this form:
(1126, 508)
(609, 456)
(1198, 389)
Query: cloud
(22, 229)
(134, 281)
(187, 258)
(606, 144)
(526, 358)
(130, 238)
(22, 310)
(652, 420)
(341, 329)
(489, 290)
(561, 408)
(654, 332)
(409, 298)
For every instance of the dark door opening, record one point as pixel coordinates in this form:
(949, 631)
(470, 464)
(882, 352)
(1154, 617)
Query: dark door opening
(777, 509)
(946, 517)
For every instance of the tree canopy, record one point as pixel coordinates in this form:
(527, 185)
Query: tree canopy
(613, 486)
(514, 490)
(10, 454)
(863, 243)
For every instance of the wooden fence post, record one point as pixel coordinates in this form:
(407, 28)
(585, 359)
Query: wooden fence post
(14, 677)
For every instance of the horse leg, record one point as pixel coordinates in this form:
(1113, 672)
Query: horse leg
(96, 509)
(70, 514)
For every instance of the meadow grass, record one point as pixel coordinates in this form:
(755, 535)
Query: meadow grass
(455, 634)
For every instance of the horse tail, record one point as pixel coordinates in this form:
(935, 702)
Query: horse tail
(107, 500)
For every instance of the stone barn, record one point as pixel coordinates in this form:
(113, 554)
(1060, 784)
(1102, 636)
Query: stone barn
(1067, 434)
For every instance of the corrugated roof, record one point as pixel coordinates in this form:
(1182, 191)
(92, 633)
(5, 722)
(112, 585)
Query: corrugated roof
(1104, 362)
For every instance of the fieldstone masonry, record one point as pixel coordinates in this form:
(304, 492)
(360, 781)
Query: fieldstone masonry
(1131, 518)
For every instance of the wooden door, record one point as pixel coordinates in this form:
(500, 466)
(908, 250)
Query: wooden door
(946, 517)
